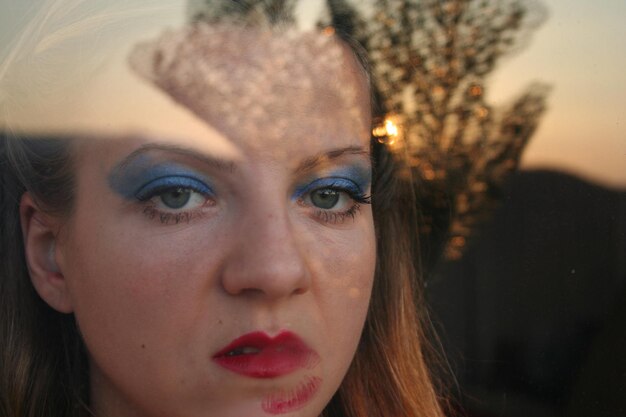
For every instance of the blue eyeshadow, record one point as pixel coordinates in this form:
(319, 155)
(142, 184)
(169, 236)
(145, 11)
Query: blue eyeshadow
(171, 182)
(355, 179)
(142, 177)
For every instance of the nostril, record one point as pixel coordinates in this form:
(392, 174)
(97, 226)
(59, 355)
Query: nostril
(256, 276)
(299, 291)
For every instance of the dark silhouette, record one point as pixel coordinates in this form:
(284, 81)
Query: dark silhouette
(533, 315)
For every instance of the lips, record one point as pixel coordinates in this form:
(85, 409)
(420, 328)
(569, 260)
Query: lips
(259, 355)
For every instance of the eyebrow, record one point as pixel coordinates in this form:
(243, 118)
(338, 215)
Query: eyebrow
(230, 166)
(214, 162)
(324, 157)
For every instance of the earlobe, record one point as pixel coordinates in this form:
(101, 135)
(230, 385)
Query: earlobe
(40, 232)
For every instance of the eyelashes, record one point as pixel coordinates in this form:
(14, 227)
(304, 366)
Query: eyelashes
(181, 198)
(175, 199)
(169, 183)
(333, 199)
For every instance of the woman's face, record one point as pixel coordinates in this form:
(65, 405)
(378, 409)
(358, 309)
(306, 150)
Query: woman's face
(226, 284)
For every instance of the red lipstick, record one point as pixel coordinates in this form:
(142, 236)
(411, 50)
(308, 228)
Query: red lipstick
(259, 355)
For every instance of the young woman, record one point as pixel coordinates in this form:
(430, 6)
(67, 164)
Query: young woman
(233, 245)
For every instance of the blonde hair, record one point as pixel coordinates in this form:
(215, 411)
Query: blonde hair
(389, 374)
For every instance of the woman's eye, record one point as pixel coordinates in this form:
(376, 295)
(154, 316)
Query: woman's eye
(334, 205)
(333, 199)
(175, 199)
(325, 198)
(178, 199)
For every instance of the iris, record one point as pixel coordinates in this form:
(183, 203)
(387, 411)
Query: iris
(325, 198)
(176, 198)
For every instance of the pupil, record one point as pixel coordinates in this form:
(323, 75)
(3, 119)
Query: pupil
(176, 199)
(325, 199)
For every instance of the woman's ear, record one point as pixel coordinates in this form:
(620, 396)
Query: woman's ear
(40, 231)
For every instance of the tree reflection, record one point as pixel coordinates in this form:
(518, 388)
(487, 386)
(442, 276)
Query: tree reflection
(430, 60)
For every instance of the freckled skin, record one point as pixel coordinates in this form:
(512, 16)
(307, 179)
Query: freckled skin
(263, 82)
(155, 301)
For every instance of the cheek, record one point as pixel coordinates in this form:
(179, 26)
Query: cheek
(348, 277)
(145, 310)
(347, 259)
(343, 288)
(137, 294)
(123, 274)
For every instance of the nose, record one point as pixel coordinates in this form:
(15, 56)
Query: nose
(268, 259)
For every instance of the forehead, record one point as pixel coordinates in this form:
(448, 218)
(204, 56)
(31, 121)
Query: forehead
(218, 88)
(259, 88)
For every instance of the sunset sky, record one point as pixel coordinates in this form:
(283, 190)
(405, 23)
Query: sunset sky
(579, 50)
